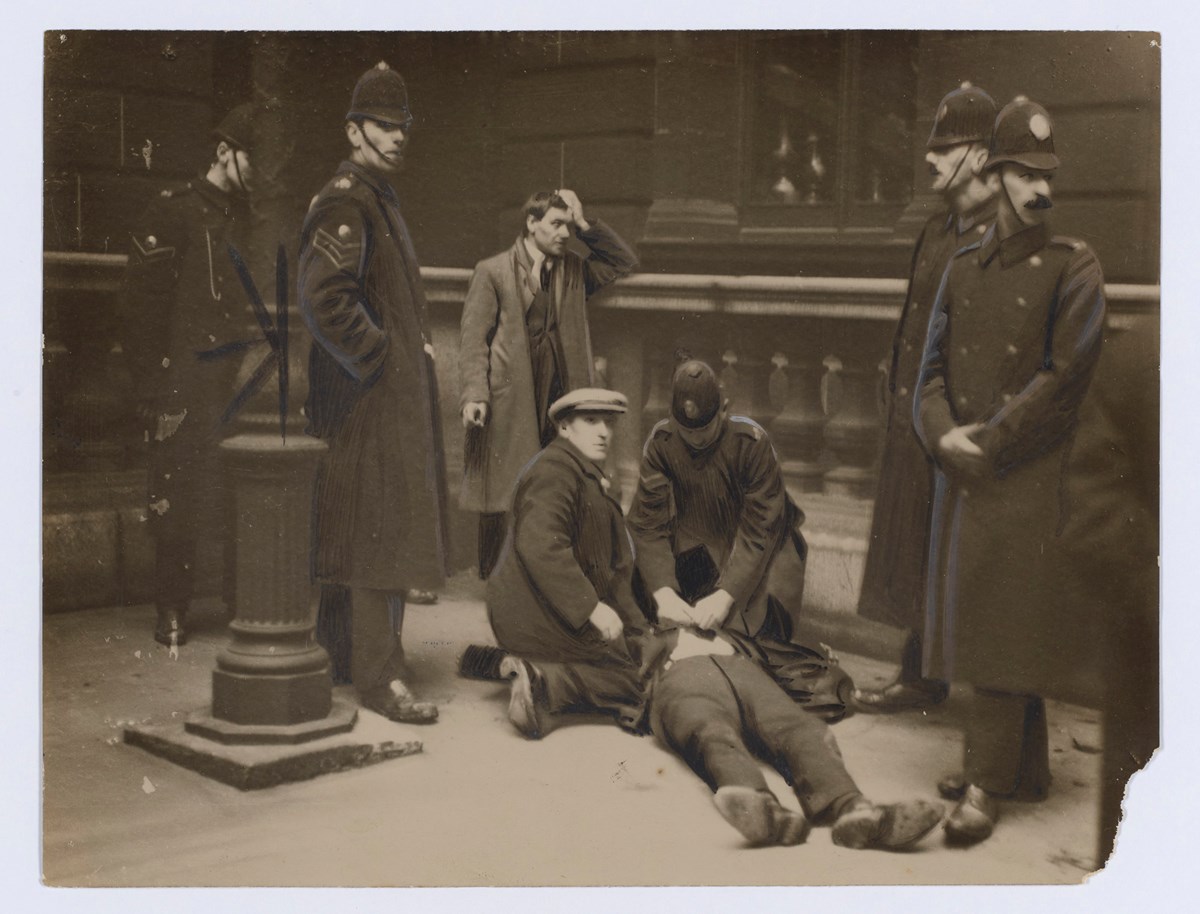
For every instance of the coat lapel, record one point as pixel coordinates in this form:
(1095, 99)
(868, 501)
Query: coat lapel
(523, 273)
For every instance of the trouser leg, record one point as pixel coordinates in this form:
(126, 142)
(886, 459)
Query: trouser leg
(492, 528)
(583, 688)
(696, 715)
(333, 629)
(174, 568)
(375, 656)
(1006, 747)
(799, 745)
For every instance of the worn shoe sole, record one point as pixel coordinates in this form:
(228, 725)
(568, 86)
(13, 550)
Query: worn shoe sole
(894, 827)
(759, 817)
(973, 819)
(522, 708)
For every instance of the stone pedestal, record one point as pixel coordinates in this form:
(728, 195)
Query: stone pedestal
(273, 674)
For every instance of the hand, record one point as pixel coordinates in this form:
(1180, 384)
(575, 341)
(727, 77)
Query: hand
(605, 618)
(958, 450)
(474, 413)
(672, 608)
(574, 207)
(711, 612)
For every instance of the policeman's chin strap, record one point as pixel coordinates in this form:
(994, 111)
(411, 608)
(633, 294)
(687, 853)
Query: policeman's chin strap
(237, 168)
(362, 128)
(958, 167)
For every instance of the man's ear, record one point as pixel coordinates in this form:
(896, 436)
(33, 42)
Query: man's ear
(979, 156)
(223, 149)
(530, 222)
(352, 132)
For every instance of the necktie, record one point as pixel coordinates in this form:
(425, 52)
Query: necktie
(546, 274)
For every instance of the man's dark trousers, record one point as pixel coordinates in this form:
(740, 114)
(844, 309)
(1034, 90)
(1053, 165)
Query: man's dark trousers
(714, 711)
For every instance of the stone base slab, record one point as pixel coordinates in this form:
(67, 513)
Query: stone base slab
(339, 719)
(247, 767)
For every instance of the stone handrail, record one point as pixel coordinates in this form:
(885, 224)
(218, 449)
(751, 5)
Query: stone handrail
(775, 296)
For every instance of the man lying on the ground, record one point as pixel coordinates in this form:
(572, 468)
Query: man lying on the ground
(708, 703)
(560, 600)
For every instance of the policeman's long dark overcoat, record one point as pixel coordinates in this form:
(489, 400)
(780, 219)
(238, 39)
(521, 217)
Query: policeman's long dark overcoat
(184, 334)
(494, 359)
(893, 588)
(1013, 343)
(380, 496)
(729, 499)
(567, 550)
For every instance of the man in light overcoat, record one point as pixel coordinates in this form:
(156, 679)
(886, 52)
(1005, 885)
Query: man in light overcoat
(525, 343)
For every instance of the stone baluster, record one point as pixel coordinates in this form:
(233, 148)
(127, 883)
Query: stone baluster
(798, 429)
(660, 367)
(746, 380)
(853, 432)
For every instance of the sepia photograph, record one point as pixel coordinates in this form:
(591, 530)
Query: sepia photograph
(597, 457)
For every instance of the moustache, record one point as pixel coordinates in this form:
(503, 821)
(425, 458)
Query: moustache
(1039, 202)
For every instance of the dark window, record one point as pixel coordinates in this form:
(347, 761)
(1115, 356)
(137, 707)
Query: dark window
(829, 137)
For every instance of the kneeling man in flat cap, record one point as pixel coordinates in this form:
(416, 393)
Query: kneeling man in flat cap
(560, 600)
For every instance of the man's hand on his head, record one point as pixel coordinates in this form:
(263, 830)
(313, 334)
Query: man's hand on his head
(574, 207)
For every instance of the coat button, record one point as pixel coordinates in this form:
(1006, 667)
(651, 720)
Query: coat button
(904, 391)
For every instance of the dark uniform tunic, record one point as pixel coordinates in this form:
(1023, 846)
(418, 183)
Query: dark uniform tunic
(186, 327)
(1013, 343)
(722, 518)
(893, 588)
(567, 550)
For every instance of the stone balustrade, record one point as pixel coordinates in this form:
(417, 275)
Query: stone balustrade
(803, 356)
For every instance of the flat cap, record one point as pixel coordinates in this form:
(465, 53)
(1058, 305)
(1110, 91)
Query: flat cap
(588, 400)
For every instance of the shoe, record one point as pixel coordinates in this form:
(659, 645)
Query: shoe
(973, 819)
(421, 597)
(953, 786)
(895, 827)
(526, 704)
(395, 702)
(900, 696)
(170, 629)
(760, 817)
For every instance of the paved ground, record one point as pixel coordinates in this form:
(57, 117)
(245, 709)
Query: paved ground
(589, 805)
